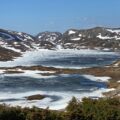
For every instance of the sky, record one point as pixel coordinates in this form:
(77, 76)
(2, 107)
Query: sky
(34, 16)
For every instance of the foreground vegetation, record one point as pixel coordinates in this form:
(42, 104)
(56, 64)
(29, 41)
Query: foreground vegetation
(89, 109)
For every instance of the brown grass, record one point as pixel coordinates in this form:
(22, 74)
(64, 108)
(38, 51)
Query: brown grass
(35, 97)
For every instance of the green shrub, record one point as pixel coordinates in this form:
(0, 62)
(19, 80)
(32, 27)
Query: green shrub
(88, 109)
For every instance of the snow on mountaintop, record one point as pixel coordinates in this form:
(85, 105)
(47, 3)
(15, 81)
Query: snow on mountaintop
(107, 37)
(92, 38)
(75, 39)
(49, 36)
(71, 32)
(114, 30)
(16, 41)
(49, 39)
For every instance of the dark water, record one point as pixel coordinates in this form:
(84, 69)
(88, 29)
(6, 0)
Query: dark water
(78, 61)
(57, 83)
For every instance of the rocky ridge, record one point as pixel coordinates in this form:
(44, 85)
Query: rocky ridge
(99, 38)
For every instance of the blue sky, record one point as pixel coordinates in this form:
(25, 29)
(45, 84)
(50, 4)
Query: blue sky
(34, 16)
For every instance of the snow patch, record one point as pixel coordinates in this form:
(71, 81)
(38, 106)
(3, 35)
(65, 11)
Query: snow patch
(118, 81)
(71, 32)
(116, 65)
(114, 31)
(80, 35)
(59, 47)
(99, 79)
(11, 48)
(32, 74)
(1, 71)
(76, 39)
(107, 37)
(103, 37)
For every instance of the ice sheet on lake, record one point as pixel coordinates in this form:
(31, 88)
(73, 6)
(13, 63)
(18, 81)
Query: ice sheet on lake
(99, 79)
(30, 57)
(65, 97)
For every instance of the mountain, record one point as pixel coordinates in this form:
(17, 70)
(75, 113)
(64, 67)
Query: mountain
(96, 38)
(49, 40)
(16, 41)
(101, 38)
(13, 43)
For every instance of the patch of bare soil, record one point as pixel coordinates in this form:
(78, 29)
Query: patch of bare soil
(6, 54)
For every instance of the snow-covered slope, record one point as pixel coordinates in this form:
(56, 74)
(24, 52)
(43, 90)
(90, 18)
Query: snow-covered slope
(7, 54)
(49, 40)
(16, 41)
(95, 38)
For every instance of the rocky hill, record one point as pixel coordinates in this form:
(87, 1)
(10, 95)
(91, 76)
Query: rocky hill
(13, 43)
(16, 41)
(49, 40)
(95, 38)
(99, 38)
(7, 54)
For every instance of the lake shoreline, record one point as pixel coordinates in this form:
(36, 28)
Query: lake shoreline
(111, 71)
